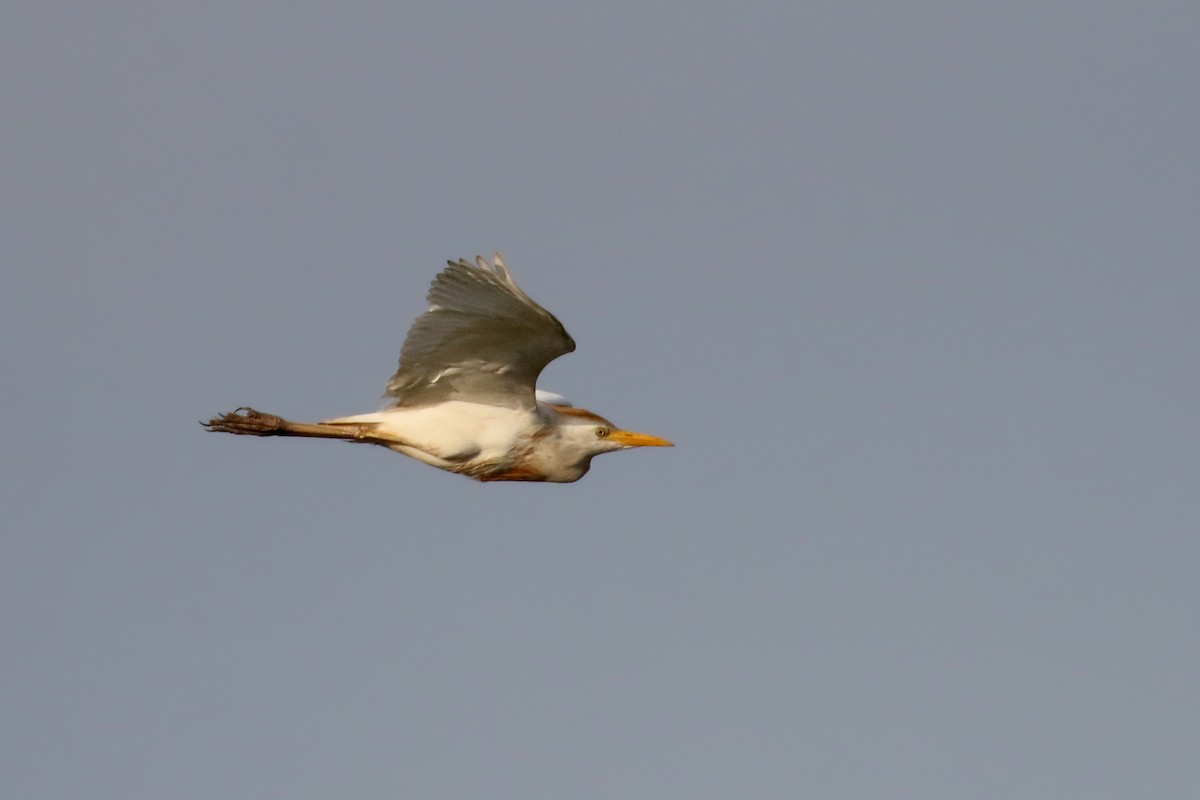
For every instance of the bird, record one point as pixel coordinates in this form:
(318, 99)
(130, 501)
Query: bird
(464, 397)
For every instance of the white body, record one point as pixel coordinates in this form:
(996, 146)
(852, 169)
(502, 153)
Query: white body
(452, 434)
(490, 442)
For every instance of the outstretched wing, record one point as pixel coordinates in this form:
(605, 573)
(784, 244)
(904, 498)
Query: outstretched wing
(482, 340)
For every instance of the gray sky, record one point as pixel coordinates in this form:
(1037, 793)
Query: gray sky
(913, 286)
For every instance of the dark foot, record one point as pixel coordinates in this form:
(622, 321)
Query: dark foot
(247, 421)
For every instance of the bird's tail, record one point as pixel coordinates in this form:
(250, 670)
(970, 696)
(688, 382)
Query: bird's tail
(246, 421)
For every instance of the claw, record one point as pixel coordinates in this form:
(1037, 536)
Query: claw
(245, 420)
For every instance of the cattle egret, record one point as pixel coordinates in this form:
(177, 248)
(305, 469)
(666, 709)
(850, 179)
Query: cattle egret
(464, 397)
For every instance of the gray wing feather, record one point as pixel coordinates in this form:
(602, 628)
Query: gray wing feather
(482, 340)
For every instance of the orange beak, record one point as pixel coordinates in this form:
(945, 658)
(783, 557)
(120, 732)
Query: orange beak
(631, 439)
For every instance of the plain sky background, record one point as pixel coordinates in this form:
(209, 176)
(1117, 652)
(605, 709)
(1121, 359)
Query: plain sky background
(913, 285)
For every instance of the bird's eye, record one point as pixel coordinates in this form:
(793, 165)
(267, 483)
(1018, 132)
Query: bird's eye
(601, 432)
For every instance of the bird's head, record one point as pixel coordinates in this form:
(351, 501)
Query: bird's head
(585, 434)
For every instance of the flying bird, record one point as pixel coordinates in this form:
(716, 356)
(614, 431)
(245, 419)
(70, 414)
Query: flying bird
(464, 398)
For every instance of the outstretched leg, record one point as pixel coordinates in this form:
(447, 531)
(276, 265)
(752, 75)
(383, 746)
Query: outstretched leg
(246, 421)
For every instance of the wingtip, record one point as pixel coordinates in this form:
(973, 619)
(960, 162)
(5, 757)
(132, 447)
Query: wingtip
(495, 265)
